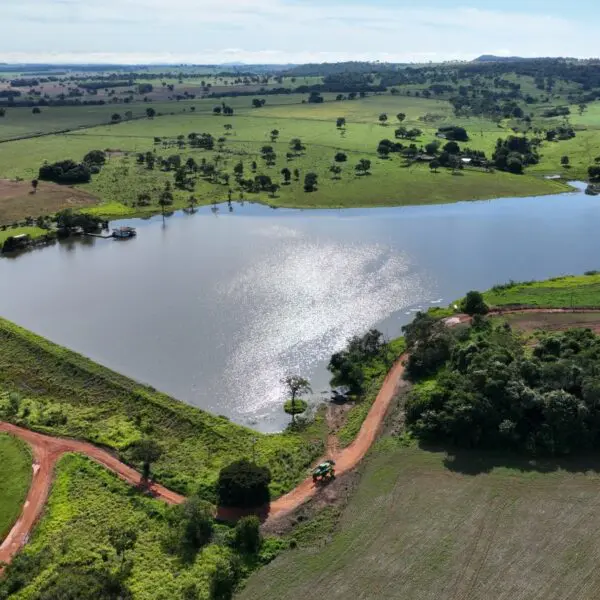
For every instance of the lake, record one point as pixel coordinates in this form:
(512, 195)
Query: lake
(215, 307)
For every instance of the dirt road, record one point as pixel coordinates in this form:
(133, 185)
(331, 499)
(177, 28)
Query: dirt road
(47, 450)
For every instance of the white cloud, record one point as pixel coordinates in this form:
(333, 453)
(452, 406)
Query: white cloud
(213, 31)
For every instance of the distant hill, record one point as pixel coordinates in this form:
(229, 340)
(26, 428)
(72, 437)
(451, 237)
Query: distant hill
(492, 58)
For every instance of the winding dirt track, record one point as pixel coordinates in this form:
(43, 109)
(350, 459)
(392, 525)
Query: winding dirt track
(47, 450)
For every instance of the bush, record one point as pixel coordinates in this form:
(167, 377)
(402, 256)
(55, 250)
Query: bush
(297, 408)
(190, 527)
(95, 157)
(474, 304)
(247, 536)
(65, 172)
(244, 484)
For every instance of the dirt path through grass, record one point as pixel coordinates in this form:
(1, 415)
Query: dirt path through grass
(47, 450)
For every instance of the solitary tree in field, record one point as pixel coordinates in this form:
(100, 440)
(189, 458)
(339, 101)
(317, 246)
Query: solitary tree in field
(36, 110)
(383, 118)
(297, 146)
(150, 113)
(34, 185)
(564, 161)
(335, 170)
(287, 175)
(296, 174)
(363, 167)
(400, 117)
(310, 182)
(228, 127)
(340, 123)
(115, 118)
(274, 135)
(340, 157)
(434, 165)
(296, 386)
(146, 451)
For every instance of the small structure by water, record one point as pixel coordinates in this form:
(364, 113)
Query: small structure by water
(123, 233)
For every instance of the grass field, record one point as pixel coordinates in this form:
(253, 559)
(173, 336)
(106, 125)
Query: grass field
(85, 502)
(15, 477)
(559, 292)
(390, 181)
(423, 525)
(64, 393)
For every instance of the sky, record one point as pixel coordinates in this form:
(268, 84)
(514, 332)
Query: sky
(292, 31)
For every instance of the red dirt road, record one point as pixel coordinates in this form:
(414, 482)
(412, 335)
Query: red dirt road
(47, 450)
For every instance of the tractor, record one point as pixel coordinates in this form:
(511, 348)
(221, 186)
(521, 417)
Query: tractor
(324, 472)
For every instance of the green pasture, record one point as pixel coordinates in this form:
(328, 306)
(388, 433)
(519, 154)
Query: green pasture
(428, 524)
(390, 182)
(15, 477)
(559, 292)
(33, 232)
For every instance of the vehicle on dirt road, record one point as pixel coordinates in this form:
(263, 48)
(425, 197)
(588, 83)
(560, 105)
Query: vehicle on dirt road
(324, 471)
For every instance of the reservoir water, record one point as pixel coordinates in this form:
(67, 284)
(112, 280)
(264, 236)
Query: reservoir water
(215, 307)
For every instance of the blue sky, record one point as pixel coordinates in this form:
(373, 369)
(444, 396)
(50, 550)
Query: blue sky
(279, 31)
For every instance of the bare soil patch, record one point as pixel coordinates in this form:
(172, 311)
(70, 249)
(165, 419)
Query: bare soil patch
(17, 202)
(529, 322)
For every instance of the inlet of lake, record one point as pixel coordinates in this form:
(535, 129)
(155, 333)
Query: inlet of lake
(216, 307)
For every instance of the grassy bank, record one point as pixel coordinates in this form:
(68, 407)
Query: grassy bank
(427, 525)
(558, 292)
(85, 503)
(15, 477)
(392, 181)
(33, 232)
(64, 393)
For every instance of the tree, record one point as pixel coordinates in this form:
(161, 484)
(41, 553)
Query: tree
(297, 146)
(238, 170)
(340, 123)
(95, 157)
(310, 182)
(122, 539)
(244, 484)
(363, 167)
(190, 527)
(36, 110)
(474, 304)
(274, 135)
(336, 171)
(340, 157)
(594, 172)
(247, 538)
(564, 161)
(228, 127)
(287, 175)
(273, 188)
(434, 165)
(2, 112)
(296, 386)
(296, 174)
(146, 451)
(150, 113)
(383, 118)
(223, 581)
(432, 147)
(116, 117)
(258, 102)
(217, 110)
(452, 148)
(401, 116)
(34, 185)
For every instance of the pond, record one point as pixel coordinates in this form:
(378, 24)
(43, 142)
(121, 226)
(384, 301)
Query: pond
(215, 307)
